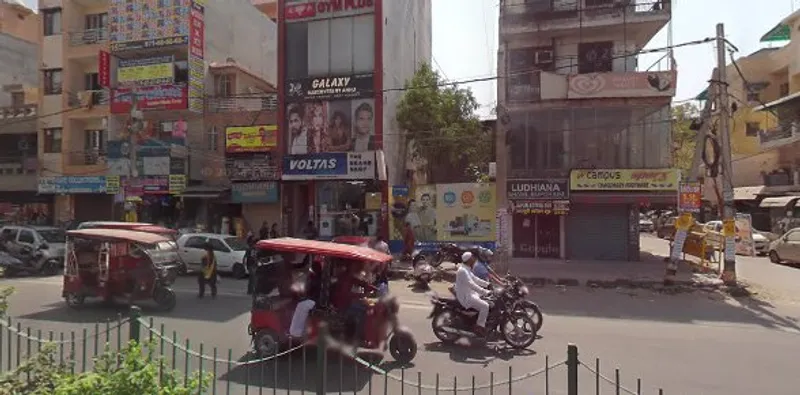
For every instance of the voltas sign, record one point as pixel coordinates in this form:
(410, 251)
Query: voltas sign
(310, 10)
(314, 166)
(331, 88)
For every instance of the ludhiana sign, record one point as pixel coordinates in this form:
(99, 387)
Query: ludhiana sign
(331, 88)
(538, 189)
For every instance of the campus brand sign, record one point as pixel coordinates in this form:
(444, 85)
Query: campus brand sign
(262, 138)
(157, 97)
(305, 10)
(331, 88)
(335, 165)
(537, 189)
(624, 180)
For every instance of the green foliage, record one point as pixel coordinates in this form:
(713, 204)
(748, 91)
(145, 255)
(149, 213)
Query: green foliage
(5, 293)
(134, 370)
(683, 138)
(441, 120)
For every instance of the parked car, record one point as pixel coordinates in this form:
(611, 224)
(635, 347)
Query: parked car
(667, 229)
(51, 240)
(786, 248)
(645, 224)
(760, 243)
(229, 251)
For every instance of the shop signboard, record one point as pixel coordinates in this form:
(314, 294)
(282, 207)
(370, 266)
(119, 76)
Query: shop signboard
(465, 212)
(331, 88)
(255, 192)
(197, 58)
(624, 180)
(622, 84)
(307, 10)
(156, 97)
(254, 168)
(146, 71)
(546, 207)
(153, 185)
(260, 138)
(538, 189)
(690, 197)
(72, 184)
(331, 165)
(177, 184)
(361, 165)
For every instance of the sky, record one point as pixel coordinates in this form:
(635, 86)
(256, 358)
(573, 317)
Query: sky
(465, 39)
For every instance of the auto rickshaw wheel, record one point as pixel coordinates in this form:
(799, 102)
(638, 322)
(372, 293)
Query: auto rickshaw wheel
(74, 300)
(403, 346)
(265, 343)
(165, 298)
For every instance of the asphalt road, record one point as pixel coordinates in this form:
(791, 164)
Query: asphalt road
(698, 343)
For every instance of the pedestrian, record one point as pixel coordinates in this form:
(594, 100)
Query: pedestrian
(310, 232)
(263, 233)
(208, 275)
(273, 233)
(251, 261)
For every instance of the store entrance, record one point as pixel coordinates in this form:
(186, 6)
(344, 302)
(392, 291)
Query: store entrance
(537, 236)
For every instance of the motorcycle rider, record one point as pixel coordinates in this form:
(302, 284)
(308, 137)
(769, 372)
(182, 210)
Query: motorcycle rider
(470, 289)
(484, 271)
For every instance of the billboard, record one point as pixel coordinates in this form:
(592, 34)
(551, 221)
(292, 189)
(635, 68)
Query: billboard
(260, 138)
(331, 165)
(622, 84)
(156, 97)
(148, 71)
(331, 126)
(307, 10)
(624, 179)
(197, 67)
(148, 24)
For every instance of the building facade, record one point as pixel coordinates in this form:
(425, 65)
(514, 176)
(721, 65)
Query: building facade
(337, 117)
(17, 20)
(106, 61)
(585, 134)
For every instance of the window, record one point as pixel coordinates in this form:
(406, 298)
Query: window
(223, 85)
(26, 236)
(195, 242)
(95, 140)
(212, 139)
(784, 89)
(793, 237)
(217, 245)
(92, 82)
(96, 21)
(753, 97)
(51, 19)
(52, 140)
(595, 57)
(340, 46)
(52, 82)
(17, 99)
(181, 71)
(296, 50)
(9, 233)
(165, 129)
(752, 129)
(598, 3)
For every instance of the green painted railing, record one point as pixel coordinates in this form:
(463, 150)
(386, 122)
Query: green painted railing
(300, 369)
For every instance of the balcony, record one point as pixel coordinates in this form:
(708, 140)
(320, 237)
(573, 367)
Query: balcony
(18, 173)
(88, 37)
(89, 157)
(779, 136)
(642, 18)
(243, 104)
(18, 119)
(95, 103)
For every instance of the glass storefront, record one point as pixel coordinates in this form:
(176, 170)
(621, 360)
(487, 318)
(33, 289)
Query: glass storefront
(348, 208)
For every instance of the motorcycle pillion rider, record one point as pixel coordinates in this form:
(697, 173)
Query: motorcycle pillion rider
(483, 269)
(470, 289)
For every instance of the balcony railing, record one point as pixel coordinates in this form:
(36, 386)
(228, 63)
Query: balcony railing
(87, 158)
(88, 37)
(534, 13)
(14, 165)
(237, 104)
(18, 112)
(88, 98)
(781, 135)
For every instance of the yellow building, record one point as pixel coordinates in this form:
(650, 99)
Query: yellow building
(18, 20)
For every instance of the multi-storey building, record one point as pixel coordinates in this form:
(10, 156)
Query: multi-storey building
(17, 20)
(340, 61)
(586, 137)
(104, 61)
(18, 141)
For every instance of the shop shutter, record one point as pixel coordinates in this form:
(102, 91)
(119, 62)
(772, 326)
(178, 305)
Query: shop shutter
(93, 207)
(597, 232)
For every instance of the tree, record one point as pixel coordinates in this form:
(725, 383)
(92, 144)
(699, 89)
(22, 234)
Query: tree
(441, 122)
(683, 137)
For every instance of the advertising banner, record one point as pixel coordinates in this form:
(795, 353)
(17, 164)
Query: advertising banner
(254, 192)
(331, 88)
(331, 126)
(690, 197)
(113, 185)
(177, 184)
(744, 235)
(197, 67)
(149, 71)
(465, 212)
(537, 189)
(361, 165)
(154, 165)
(251, 169)
(261, 138)
(154, 185)
(334, 165)
(624, 179)
(532, 207)
(104, 68)
(622, 84)
(72, 184)
(325, 9)
(148, 24)
(158, 97)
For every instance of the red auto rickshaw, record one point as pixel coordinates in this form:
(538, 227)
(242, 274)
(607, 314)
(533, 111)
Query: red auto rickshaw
(119, 263)
(270, 316)
(362, 241)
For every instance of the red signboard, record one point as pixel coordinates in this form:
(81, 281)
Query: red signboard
(157, 97)
(104, 69)
(196, 33)
(326, 8)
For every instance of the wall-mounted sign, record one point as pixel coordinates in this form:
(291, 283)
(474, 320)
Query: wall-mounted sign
(148, 71)
(154, 185)
(305, 10)
(624, 179)
(149, 44)
(334, 165)
(690, 197)
(251, 169)
(148, 24)
(72, 184)
(261, 138)
(331, 88)
(627, 84)
(104, 69)
(538, 189)
(158, 97)
(533, 207)
(254, 192)
(197, 67)
(177, 184)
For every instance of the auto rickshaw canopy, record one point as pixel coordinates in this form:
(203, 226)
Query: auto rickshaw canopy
(118, 235)
(314, 247)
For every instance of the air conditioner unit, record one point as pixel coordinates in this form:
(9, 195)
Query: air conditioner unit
(544, 57)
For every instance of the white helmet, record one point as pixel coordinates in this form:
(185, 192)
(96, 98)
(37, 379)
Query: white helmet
(466, 256)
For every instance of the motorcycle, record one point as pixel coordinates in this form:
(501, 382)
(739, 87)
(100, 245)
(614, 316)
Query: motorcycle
(422, 270)
(520, 291)
(451, 252)
(31, 261)
(450, 321)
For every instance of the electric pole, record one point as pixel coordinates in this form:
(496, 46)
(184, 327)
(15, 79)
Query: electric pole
(134, 128)
(724, 136)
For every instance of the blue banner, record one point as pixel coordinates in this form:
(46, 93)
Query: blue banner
(315, 166)
(254, 192)
(72, 184)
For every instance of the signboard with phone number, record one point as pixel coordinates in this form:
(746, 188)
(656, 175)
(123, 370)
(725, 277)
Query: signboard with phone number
(147, 44)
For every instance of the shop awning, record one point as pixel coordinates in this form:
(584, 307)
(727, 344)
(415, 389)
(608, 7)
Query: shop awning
(777, 201)
(783, 100)
(747, 193)
(203, 192)
(781, 32)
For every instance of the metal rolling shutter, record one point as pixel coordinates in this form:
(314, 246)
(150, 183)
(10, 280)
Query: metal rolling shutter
(93, 207)
(597, 232)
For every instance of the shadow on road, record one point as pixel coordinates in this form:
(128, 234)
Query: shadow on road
(477, 352)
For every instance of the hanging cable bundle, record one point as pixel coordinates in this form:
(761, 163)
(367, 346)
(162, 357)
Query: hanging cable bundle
(712, 164)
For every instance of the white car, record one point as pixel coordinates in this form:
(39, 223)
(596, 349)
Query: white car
(35, 237)
(786, 248)
(760, 243)
(645, 224)
(228, 250)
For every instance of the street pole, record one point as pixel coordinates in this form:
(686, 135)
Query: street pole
(134, 128)
(724, 136)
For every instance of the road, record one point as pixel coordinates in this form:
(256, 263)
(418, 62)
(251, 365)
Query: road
(697, 343)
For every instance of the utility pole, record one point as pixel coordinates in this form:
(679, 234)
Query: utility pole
(134, 128)
(724, 136)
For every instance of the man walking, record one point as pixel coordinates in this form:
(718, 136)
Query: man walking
(208, 275)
